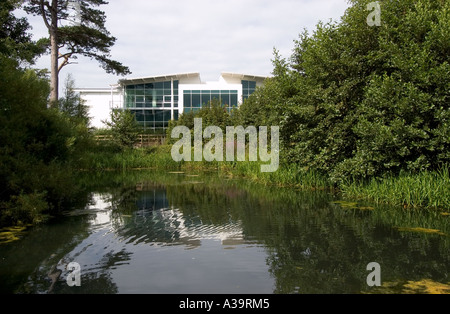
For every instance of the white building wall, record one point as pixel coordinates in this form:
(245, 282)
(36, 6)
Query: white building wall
(100, 101)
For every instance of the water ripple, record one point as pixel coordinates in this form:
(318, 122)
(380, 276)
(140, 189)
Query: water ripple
(169, 226)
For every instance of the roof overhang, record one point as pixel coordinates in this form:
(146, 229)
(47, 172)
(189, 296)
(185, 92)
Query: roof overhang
(241, 76)
(88, 90)
(159, 78)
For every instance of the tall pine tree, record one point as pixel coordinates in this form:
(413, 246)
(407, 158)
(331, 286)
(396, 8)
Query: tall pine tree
(86, 36)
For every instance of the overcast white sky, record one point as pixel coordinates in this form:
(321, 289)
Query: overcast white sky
(156, 37)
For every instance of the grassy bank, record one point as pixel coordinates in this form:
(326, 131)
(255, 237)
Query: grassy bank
(109, 157)
(287, 175)
(426, 189)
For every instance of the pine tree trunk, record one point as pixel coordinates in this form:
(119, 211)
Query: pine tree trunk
(54, 80)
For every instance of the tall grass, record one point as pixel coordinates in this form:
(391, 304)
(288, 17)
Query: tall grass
(110, 158)
(425, 189)
(286, 175)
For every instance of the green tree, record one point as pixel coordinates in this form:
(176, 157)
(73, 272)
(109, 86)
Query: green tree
(15, 41)
(86, 36)
(37, 145)
(35, 148)
(123, 127)
(74, 110)
(403, 118)
(72, 104)
(357, 101)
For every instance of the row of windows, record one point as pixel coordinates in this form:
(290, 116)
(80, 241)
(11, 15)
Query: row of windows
(151, 86)
(151, 95)
(154, 119)
(248, 84)
(159, 95)
(150, 102)
(195, 99)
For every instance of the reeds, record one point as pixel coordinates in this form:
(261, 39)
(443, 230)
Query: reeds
(139, 158)
(425, 189)
(286, 175)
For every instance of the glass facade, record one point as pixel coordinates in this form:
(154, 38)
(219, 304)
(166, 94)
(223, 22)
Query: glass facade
(248, 88)
(152, 95)
(193, 100)
(155, 104)
(152, 103)
(153, 119)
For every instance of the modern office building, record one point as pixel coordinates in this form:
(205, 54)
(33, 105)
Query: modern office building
(156, 100)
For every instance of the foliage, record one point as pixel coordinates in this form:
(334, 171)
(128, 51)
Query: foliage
(15, 41)
(424, 189)
(72, 104)
(76, 113)
(87, 36)
(355, 101)
(213, 114)
(109, 157)
(123, 127)
(36, 145)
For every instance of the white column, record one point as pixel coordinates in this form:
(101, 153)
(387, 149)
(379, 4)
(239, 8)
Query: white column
(171, 99)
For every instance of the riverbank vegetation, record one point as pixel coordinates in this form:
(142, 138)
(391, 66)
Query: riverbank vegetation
(362, 110)
(424, 189)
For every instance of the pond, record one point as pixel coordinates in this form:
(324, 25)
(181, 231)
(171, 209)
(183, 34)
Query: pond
(203, 233)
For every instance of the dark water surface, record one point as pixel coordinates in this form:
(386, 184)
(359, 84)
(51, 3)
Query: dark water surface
(147, 232)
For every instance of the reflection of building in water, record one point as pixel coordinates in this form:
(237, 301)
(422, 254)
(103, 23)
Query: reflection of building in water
(156, 222)
(172, 226)
(151, 200)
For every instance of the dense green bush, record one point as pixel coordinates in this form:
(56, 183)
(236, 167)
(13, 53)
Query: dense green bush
(38, 147)
(31, 139)
(355, 101)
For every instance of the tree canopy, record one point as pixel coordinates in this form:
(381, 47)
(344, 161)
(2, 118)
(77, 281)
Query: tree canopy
(357, 101)
(38, 145)
(87, 36)
(15, 40)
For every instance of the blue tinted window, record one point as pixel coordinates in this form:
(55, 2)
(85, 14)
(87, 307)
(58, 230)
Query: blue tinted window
(233, 100)
(206, 99)
(196, 102)
(187, 99)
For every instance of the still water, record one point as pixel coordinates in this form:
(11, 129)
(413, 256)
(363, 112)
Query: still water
(173, 232)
